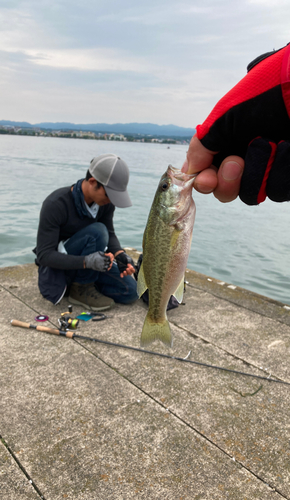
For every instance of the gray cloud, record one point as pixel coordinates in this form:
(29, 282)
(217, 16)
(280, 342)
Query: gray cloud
(167, 60)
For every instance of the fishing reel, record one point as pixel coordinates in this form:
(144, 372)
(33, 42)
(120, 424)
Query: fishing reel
(66, 322)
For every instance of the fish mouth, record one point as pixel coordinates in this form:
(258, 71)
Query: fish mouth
(177, 175)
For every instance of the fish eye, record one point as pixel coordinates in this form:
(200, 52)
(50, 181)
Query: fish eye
(164, 186)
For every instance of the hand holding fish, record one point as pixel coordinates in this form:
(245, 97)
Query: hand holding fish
(243, 147)
(224, 182)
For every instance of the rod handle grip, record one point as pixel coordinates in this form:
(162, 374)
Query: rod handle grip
(15, 322)
(41, 328)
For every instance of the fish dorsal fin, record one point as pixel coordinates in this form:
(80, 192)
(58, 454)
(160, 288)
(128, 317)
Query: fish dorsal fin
(178, 294)
(141, 282)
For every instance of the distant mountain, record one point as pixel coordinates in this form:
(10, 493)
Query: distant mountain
(15, 124)
(117, 128)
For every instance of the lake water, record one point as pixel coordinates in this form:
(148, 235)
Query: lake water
(244, 246)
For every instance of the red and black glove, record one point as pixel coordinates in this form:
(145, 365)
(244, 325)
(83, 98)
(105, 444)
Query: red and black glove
(252, 121)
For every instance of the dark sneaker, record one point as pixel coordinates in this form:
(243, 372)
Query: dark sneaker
(87, 296)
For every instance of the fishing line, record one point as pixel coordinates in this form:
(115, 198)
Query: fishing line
(72, 335)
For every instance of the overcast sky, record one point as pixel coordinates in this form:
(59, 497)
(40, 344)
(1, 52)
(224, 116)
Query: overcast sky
(159, 61)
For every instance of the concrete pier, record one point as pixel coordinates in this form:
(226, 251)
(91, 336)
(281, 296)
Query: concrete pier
(81, 420)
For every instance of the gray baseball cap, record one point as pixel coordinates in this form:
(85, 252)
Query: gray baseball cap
(113, 173)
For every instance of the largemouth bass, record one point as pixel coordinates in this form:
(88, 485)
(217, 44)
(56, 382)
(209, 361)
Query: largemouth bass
(166, 245)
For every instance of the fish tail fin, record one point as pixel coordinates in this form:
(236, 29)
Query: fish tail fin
(156, 331)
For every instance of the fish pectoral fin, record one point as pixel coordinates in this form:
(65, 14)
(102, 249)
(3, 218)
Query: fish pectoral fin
(156, 331)
(178, 294)
(179, 226)
(141, 282)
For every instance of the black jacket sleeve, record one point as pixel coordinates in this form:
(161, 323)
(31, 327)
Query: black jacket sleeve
(53, 216)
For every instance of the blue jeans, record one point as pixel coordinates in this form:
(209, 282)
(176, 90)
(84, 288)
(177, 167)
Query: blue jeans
(95, 238)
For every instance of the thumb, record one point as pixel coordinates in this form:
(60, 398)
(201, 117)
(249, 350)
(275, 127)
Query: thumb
(198, 157)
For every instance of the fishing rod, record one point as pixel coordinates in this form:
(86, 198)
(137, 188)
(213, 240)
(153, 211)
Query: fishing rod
(73, 335)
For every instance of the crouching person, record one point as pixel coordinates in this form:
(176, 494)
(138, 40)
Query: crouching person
(76, 242)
